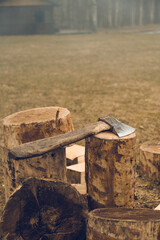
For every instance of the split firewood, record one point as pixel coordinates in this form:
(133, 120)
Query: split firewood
(158, 207)
(150, 160)
(123, 223)
(44, 209)
(76, 173)
(74, 154)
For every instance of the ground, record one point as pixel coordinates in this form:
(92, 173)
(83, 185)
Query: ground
(111, 72)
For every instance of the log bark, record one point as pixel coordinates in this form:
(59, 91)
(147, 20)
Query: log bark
(123, 224)
(48, 144)
(110, 170)
(31, 125)
(44, 209)
(34, 124)
(150, 160)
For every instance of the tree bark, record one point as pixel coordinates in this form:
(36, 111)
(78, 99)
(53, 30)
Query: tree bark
(44, 209)
(150, 160)
(141, 12)
(31, 125)
(123, 224)
(110, 170)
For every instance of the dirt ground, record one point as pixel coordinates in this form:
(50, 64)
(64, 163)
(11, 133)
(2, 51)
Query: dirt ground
(112, 72)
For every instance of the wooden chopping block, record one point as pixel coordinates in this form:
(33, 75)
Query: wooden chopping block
(150, 160)
(28, 126)
(123, 224)
(44, 209)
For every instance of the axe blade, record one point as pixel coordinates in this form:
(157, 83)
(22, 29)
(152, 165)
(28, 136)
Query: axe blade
(118, 127)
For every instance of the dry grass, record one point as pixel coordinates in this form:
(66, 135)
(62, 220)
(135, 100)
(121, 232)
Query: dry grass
(92, 75)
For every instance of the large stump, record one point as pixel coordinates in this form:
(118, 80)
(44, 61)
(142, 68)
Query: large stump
(42, 209)
(27, 126)
(110, 170)
(150, 160)
(123, 224)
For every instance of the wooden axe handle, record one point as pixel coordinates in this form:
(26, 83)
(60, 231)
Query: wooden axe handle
(45, 145)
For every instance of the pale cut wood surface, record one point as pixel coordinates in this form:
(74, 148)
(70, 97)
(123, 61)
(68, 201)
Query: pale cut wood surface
(42, 146)
(31, 125)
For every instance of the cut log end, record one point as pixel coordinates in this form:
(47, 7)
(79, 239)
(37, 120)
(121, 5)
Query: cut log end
(24, 128)
(38, 115)
(43, 208)
(123, 223)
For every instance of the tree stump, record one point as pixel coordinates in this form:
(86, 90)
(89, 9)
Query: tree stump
(31, 125)
(110, 170)
(123, 224)
(42, 209)
(150, 160)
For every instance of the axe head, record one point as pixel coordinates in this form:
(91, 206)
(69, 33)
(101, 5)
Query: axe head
(118, 127)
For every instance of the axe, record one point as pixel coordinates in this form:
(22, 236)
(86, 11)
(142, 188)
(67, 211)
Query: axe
(45, 145)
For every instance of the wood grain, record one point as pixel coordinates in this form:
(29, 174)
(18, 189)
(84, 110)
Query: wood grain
(42, 146)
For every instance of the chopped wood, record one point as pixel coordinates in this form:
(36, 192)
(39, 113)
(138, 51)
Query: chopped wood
(150, 160)
(81, 188)
(42, 146)
(31, 125)
(74, 154)
(76, 173)
(123, 223)
(110, 170)
(45, 209)
(158, 207)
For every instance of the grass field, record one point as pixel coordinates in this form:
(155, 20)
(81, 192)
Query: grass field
(116, 73)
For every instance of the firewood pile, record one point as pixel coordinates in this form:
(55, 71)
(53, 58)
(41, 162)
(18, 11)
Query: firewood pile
(71, 192)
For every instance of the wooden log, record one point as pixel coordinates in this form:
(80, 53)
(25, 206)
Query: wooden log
(48, 144)
(123, 224)
(75, 154)
(110, 170)
(76, 173)
(150, 160)
(81, 188)
(158, 207)
(44, 209)
(31, 125)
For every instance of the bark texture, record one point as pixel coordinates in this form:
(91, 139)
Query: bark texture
(110, 170)
(123, 224)
(31, 125)
(150, 160)
(44, 209)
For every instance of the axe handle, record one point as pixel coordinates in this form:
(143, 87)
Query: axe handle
(45, 145)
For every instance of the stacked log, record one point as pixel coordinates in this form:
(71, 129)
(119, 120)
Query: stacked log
(31, 125)
(44, 209)
(110, 170)
(150, 160)
(123, 224)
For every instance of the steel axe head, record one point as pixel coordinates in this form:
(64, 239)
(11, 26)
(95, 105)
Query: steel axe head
(118, 127)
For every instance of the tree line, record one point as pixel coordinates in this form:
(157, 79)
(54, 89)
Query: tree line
(94, 14)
